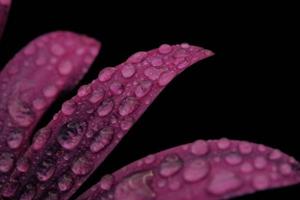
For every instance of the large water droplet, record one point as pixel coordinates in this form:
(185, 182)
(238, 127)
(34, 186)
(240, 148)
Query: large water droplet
(102, 140)
(46, 169)
(127, 106)
(21, 112)
(82, 166)
(105, 107)
(6, 161)
(71, 134)
(14, 139)
(143, 88)
(196, 170)
(170, 165)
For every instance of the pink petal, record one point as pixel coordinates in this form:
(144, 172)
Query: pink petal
(206, 170)
(93, 122)
(32, 80)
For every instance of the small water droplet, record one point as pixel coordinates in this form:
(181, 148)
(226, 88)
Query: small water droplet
(233, 159)
(65, 67)
(260, 162)
(15, 139)
(143, 88)
(137, 57)
(166, 78)
(106, 74)
(105, 107)
(245, 147)
(46, 169)
(285, 169)
(261, 182)
(127, 106)
(23, 164)
(21, 113)
(68, 107)
(127, 123)
(71, 134)
(246, 167)
(152, 73)
(170, 165)
(39, 103)
(102, 140)
(82, 166)
(165, 49)
(97, 95)
(6, 161)
(84, 91)
(223, 143)
(65, 183)
(57, 49)
(116, 88)
(156, 62)
(128, 70)
(50, 91)
(275, 155)
(41, 138)
(106, 182)
(149, 159)
(199, 148)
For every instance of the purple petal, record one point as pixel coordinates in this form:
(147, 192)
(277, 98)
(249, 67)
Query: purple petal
(31, 81)
(93, 122)
(207, 170)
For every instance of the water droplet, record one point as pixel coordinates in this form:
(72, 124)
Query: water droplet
(223, 182)
(166, 77)
(156, 62)
(285, 169)
(196, 170)
(137, 57)
(233, 159)
(185, 45)
(116, 88)
(105, 107)
(199, 148)
(275, 155)
(128, 70)
(29, 193)
(23, 164)
(68, 107)
(6, 161)
(102, 140)
(152, 73)
(82, 166)
(260, 162)
(245, 147)
(106, 182)
(21, 113)
(65, 67)
(71, 134)
(149, 159)
(223, 143)
(50, 91)
(57, 49)
(97, 95)
(127, 106)
(143, 88)
(165, 49)
(246, 167)
(170, 166)
(261, 182)
(106, 74)
(84, 91)
(14, 139)
(127, 123)
(41, 138)
(65, 183)
(39, 103)
(46, 169)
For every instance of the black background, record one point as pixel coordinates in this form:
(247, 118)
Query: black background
(244, 92)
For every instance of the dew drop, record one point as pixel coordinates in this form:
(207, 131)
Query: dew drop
(97, 95)
(261, 182)
(143, 88)
(128, 70)
(246, 167)
(41, 138)
(65, 183)
(106, 182)
(105, 107)
(196, 170)
(21, 113)
(245, 147)
(65, 67)
(57, 49)
(106, 74)
(199, 148)
(14, 139)
(68, 107)
(102, 140)
(50, 91)
(127, 123)
(127, 106)
(84, 91)
(149, 159)
(71, 134)
(285, 169)
(233, 159)
(23, 164)
(116, 88)
(152, 73)
(166, 77)
(6, 161)
(156, 62)
(223, 182)
(170, 166)
(82, 166)
(275, 155)
(165, 49)
(46, 169)
(39, 103)
(223, 143)
(137, 57)
(260, 162)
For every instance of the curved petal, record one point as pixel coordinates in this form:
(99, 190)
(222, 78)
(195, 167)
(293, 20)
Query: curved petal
(32, 80)
(92, 123)
(4, 9)
(207, 170)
